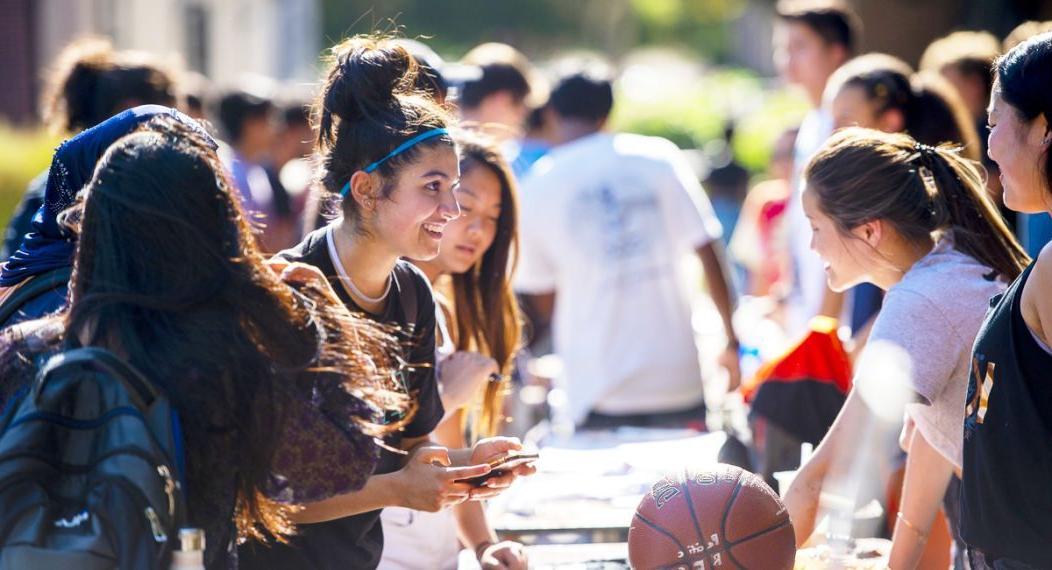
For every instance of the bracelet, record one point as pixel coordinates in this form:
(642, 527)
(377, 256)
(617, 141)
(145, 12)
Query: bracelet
(481, 548)
(923, 535)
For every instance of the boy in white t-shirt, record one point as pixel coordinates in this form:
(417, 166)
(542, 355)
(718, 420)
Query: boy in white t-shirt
(812, 38)
(607, 222)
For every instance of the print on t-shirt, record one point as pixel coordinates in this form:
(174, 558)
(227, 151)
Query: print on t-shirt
(618, 225)
(979, 394)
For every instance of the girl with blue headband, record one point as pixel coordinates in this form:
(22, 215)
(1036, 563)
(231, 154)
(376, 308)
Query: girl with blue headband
(388, 159)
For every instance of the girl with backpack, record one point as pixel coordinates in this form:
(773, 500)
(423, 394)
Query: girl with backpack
(34, 280)
(914, 220)
(387, 155)
(275, 388)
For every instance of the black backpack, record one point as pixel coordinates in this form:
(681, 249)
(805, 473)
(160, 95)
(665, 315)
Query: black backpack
(90, 469)
(31, 289)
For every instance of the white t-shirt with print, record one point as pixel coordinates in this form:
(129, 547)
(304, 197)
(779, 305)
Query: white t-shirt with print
(607, 222)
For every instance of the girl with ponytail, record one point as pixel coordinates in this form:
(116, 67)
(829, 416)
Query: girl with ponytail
(916, 221)
(388, 159)
(879, 91)
(273, 385)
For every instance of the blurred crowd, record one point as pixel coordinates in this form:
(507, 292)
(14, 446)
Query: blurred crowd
(598, 233)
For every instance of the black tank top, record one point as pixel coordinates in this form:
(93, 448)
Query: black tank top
(1006, 491)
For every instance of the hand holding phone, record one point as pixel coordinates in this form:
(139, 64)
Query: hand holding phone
(501, 465)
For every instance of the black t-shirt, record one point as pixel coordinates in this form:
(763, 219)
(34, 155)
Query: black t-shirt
(1006, 488)
(357, 541)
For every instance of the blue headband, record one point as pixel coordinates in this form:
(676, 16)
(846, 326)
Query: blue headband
(397, 151)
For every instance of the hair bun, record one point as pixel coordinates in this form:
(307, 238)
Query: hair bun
(368, 77)
(368, 106)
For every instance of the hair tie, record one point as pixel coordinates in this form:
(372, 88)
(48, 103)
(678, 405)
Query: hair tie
(923, 148)
(397, 151)
(923, 156)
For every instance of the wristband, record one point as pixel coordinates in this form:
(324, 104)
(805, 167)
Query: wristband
(921, 534)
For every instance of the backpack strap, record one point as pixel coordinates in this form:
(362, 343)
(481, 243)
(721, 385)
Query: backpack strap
(142, 392)
(33, 288)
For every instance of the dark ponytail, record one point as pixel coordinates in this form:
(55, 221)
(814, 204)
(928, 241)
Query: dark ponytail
(937, 115)
(932, 111)
(368, 105)
(861, 175)
(1024, 81)
(963, 205)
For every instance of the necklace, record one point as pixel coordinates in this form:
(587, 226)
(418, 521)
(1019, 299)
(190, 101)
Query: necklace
(358, 293)
(346, 279)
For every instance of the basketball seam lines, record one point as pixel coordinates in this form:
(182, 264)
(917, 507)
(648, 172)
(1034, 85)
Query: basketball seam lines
(730, 503)
(690, 506)
(682, 548)
(723, 522)
(760, 533)
(727, 544)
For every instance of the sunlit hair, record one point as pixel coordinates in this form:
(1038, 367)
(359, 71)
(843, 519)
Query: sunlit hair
(862, 175)
(167, 273)
(1023, 32)
(486, 313)
(932, 111)
(368, 105)
(90, 81)
(969, 52)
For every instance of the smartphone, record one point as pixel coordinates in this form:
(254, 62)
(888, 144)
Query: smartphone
(500, 465)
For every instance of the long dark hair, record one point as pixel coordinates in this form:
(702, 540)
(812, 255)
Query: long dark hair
(486, 313)
(861, 175)
(932, 111)
(1024, 81)
(368, 105)
(167, 274)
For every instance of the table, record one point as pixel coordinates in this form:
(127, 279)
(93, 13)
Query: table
(575, 512)
(602, 556)
(588, 486)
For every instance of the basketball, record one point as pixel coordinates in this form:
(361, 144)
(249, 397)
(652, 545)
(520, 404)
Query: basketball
(717, 517)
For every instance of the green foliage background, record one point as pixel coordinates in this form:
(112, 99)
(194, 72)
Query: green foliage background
(540, 27)
(24, 153)
(691, 113)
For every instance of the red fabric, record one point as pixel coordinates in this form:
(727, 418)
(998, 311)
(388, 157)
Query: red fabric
(819, 356)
